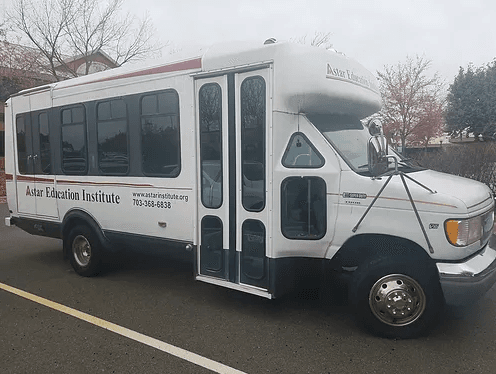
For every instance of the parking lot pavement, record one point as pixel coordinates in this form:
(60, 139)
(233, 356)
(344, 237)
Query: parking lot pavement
(153, 295)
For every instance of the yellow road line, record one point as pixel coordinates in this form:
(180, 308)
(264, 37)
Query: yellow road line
(152, 342)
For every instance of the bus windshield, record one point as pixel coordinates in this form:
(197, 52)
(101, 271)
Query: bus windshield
(349, 137)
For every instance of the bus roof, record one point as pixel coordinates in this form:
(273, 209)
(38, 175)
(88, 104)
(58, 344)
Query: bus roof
(306, 78)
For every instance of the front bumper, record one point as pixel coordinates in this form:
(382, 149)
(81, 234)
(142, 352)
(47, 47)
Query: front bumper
(464, 283)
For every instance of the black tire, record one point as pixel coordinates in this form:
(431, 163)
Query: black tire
(85, 251)
(397, 296)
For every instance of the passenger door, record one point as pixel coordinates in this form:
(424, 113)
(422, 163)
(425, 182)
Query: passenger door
(232, 125)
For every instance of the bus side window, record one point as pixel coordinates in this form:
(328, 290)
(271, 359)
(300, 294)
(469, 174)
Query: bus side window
(303, 208)
(74, 148)
(160, 141)
(300, 153)
(112, 129)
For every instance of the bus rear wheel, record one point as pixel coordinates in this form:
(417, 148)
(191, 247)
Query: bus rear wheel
(396, 297)
(85, 251)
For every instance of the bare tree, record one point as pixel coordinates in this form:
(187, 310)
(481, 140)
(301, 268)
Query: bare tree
(63, 28)
(3, 32)
(319, 39)
(43, 23)
(412, 101)
(99, 29)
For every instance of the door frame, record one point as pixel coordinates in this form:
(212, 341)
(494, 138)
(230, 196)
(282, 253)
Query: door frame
(232, 213)
(36, 202)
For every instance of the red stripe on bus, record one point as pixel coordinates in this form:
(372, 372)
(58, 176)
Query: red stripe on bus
(22, 178)
(25, 178)
(178, 66)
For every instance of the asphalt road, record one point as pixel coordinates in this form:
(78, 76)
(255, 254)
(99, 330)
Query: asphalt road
(158, 297)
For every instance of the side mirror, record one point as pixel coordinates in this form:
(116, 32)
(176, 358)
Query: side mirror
(376, 149)
(377, 160)
(375, 127)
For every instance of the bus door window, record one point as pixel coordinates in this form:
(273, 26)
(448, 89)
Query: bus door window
(33, 144)
(303, 208)
(210, 107)
(300, 153)
(303, 198)
(212, 252)
(22, 148)
(253, 143)
(253, 259)
(45, 149)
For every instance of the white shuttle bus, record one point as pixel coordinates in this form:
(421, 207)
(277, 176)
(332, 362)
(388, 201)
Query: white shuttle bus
(255, 161)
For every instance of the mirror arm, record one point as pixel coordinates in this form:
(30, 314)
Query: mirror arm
(412, 202)
(372, 203)
(429, 245)
(420, 184)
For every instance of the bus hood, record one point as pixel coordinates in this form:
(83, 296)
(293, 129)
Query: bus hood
(467, 194)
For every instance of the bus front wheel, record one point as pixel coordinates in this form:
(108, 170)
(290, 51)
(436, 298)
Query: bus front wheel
(397, 296)
(85, 251)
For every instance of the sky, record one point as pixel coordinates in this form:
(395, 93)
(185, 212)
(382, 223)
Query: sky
(450, 33)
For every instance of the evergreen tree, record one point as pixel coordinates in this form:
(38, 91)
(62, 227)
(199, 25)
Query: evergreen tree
(489, 131)
(471, 104)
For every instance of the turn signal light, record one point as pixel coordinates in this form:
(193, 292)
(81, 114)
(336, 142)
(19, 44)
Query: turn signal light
(465, 231)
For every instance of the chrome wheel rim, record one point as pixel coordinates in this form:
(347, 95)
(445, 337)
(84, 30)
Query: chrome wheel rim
(81, 250)
(397, 300)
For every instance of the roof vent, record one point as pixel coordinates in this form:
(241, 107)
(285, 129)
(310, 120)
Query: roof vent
(270, 41)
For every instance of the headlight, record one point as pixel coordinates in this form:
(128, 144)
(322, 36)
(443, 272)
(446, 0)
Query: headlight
(463, 232)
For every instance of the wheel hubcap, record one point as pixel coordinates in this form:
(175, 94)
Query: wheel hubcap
(81, 250)
(397, 300)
